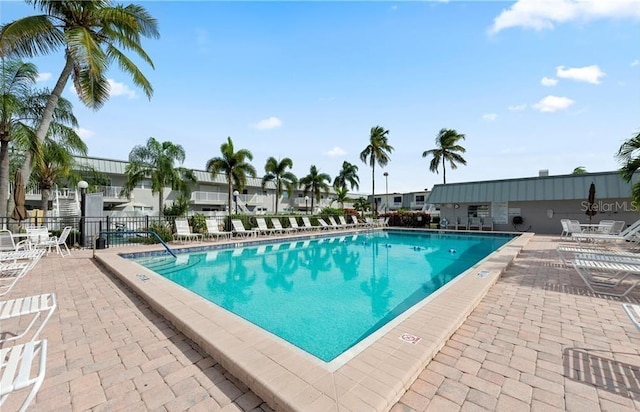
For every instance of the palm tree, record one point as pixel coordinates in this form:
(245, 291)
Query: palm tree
(580, 170)
(156, 160)
(348, 175)
(628, 155)
(92, 34)
(233, 165)
(342, 195)
(21, 107)
(447, 150)
(57, 162)
(361, 205)
(276, 171)
(315, 183)
(377, 151)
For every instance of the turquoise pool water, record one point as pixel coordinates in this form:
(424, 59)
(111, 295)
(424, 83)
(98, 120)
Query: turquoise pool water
(325, 295)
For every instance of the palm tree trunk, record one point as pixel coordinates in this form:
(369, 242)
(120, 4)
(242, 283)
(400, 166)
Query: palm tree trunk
(47, 116)
(277, 196)
(4, 178)
(373, 188)
(230, 193)
(444, 172)
(160, 203)
(44, 203)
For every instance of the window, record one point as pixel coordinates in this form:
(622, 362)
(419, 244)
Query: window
(285, 195)
(378, 199)
(245, 192)
(144, 184)
(419, 198)
(397, 199)
(478, 211)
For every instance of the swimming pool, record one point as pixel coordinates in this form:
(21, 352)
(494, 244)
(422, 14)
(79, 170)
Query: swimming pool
(325, 295)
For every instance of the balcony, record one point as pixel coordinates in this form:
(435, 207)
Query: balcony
(112, 194)
(417, 204)
(209, 198)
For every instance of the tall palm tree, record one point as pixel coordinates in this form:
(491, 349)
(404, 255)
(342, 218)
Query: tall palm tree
(629, 156)
(233, 165)
(93, 35)
(57, 162)
(377, 151)
(342, 195)
(315, 183)
(276, 171)
(447, 150)
(348, 175)
(21, 107)
(156, 160)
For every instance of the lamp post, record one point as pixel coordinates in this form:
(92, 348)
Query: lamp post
(235, 199)
(386, 189)
(82, 185)
(306, 205)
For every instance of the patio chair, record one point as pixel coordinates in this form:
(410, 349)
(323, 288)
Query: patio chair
(344, 223)
(213, 230)
(183, 231)
(263, 228)
(356, 222)
(55, 241)
(574, 250)
(8, 243)
(16, 365)
(565, 227)
(293, 223)
(278, 226)
(629, 234)
(606, 275)
(37, 236)
(240, 230)
(487, 223)
(462, 223)
(633, 311)
(31, 305)
(13, 270)
(474, 223)
(333, 224)
(307, 224)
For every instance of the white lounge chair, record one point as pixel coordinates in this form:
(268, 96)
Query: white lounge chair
(573, 250)
(31, 305)
(8, 243)
(213, 230)
(263, 228)
(183, 231)
(278, 226)
(323, 225)
(633, 311)
(344, 223)
(14, 269)
(240, 230)
(606, 275)
(307, 224)
(629, 234)
(293, 223)
(16, 365)
(332, 222)
(356, 222)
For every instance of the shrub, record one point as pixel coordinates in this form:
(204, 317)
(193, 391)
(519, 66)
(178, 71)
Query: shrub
(330, 211)
(163, 230)
(198, 223)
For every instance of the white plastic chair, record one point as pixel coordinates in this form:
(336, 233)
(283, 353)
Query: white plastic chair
(214, 231)
(16, 364)
(633, 311)
(240, 230)
(278, 226)
(183, 231)
(263, 228)
(56, 242)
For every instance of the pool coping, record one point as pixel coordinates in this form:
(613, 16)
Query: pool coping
(290, 380)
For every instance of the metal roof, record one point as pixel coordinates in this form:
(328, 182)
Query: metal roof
(609, 185)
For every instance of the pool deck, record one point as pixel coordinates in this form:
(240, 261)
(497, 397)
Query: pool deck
(534, 339)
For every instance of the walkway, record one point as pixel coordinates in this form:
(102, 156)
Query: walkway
(538, 341)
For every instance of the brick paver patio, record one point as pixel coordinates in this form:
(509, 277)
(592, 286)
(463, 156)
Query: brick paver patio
(538, 341)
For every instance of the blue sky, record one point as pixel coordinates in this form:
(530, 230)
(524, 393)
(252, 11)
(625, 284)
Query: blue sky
(533, 85)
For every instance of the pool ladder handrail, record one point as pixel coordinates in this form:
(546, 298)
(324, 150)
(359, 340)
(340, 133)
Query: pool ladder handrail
(132, 232)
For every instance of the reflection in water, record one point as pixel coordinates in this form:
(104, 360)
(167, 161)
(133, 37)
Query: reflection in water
(235, 287)
(277, 276)
(316, 259)
(347, 262)
(377, 287)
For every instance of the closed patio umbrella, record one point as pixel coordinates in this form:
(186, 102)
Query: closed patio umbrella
(19, 211)
(592, 209)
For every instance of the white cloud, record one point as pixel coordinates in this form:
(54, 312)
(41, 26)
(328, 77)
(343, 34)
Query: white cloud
(590, 74)
(85, 133)
(553, 103)
(335, 152)
(268, 123)
(489, 117)
(43, 77)
(517, 107)
(120, 89)
(635, 63)
(548, 81)
(545, 14)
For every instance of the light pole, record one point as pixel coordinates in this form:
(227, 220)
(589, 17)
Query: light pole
(306, 204)
(235, 199)
(82, 185)
(386, 194)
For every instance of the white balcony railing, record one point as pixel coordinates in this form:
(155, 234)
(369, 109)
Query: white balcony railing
(209, 197)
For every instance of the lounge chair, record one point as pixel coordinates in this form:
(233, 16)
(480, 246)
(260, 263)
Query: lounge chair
(213, 230)
(606, 275)
(487, 223)
(16, 365)
(344, 223)
(240, 230)
(332, 222)
(565, 227)
(629, 234)
(31, 305)
(356, 222)
(8, 243)
(323, 225)
(474, 223)
(183, 231)
(633, 311)
(307, 224)
(55, 241)
(278, 226)
(574, 250)
(462, 223)
(293, 223)
(263, 228)
(16, 267)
